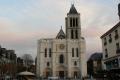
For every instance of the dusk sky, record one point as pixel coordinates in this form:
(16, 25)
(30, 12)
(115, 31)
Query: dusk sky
(23, 22)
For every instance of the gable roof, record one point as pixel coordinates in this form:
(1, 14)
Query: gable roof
(73, 10)
(61, 34)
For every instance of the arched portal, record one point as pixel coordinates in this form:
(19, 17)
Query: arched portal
(75, 72)
(61, 59)
(61, 71)
(47, 72)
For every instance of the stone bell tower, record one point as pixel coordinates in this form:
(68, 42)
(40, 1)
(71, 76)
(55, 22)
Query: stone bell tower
(73, 25)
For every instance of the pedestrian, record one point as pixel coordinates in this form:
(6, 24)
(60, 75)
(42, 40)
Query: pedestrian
(91, 78)
(82, 78)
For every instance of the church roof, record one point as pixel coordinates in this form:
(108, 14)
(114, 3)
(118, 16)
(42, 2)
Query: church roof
(96, 56)
(73, 10)
(61, 34)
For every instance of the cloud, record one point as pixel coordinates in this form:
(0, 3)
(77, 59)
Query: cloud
(23, 22)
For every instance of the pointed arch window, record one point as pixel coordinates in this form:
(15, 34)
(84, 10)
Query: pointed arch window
(75, 63)
(71, 34)
(48, 64)
(77, 52)
(45, 52)
(76, 34)
(76, 22)
(72, 52)
(61, 59)
(73, 22)
(50, 52)
(70, 22)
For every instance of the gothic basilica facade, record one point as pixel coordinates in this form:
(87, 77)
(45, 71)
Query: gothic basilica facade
(63, 56)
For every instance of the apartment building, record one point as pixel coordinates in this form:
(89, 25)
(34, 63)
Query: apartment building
(111, 46)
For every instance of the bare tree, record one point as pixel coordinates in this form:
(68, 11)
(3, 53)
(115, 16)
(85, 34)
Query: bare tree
(28, 60)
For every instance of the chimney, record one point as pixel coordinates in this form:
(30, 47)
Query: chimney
(119, 10)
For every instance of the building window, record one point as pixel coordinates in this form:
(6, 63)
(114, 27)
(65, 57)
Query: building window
(71, 34)
(106, 53)
(110, 38)
(105, 41)
(73, 22)
(70, 22)
(61, 59)
(45, 52)
(48, 64)
(77, 52)
(50, 52)
(76, 34)
(75, 63)
(116, 34)
(72, 52)
(76, 22)
(117, 48)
